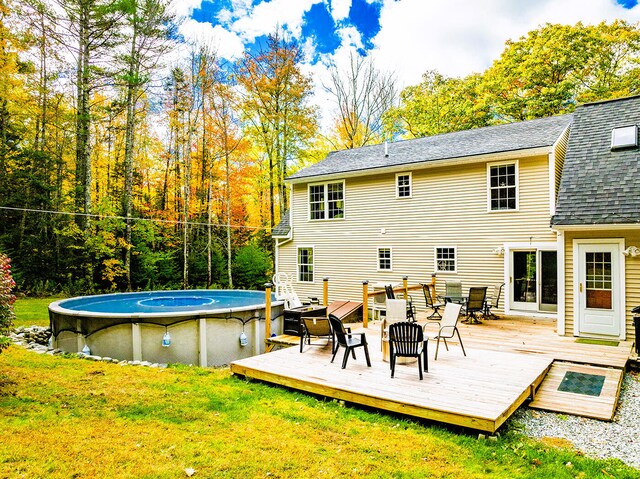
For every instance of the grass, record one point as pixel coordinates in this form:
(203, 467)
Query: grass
(32, 311)
(63, 417)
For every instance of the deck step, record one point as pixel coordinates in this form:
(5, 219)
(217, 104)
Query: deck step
(580, 389)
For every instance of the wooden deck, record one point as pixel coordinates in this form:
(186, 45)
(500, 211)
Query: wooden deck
(506, 362)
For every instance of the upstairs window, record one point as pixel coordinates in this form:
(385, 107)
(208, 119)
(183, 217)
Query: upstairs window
(326, 201)
(445, 259)
(403, 185)
(384, 259)
(305, 264)
(503, 189)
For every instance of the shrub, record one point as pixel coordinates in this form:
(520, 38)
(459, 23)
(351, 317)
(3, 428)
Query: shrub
(6, 300)
(252, 267)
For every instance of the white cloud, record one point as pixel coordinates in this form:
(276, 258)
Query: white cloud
(458, 37)
(227, 44)
(266, 16)
(340, 9)
(184, 8)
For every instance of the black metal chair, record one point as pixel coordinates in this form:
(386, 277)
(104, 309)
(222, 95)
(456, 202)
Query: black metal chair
(449, 326)
(475, 303)
(317, 327)
(348, 341)
(411, 309)
(429, 293)
(406, 340)
(493, 302)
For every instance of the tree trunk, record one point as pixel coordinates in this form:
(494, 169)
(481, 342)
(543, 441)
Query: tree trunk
(127, 200)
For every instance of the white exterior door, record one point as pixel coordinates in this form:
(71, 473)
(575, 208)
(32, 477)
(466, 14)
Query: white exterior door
(598, 289)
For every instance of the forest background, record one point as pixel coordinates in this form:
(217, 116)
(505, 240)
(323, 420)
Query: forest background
(124, 166)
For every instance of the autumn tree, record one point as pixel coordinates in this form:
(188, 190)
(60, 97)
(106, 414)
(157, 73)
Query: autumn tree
(147, 24)
(552, 69)
(438, 104)
(277, 112)
(91, 33)
(362, 95)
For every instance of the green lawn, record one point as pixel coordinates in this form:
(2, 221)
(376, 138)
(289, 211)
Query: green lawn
(64, 417)
(32, 311)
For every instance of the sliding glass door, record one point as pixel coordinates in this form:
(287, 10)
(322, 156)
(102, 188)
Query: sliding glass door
(534, 284)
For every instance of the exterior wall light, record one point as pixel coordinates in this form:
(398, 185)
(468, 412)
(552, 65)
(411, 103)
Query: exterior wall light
(632, 251)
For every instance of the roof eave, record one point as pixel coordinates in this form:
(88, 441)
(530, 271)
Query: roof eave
(418, 165)
(595, 226)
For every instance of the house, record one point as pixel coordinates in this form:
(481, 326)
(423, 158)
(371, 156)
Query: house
(597, 219)
(474, 206)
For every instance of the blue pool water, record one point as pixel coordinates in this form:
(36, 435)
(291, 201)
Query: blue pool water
(165, 301)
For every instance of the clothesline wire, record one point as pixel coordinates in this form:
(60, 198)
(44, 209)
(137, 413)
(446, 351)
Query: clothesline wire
(132, 218)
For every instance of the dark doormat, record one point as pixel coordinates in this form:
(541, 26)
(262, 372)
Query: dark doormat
(581, 383)
(599, 342)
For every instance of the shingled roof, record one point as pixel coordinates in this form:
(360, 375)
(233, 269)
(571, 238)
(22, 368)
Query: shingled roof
(461, 144)
(282, 229)
(600, 186)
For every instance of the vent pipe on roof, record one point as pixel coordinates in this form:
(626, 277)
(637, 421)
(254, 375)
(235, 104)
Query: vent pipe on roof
(386, 149)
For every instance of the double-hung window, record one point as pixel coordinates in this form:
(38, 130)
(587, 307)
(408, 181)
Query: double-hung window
(326, 201)
(385, 262)
(305, 264)
(503, 186)
(445, 259)
(403, 185)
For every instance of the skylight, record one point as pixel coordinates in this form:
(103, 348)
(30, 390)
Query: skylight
(624, 137)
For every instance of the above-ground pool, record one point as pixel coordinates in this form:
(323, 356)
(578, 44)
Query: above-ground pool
(203, 327)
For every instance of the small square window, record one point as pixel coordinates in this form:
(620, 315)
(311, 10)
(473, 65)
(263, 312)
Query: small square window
(403, 185)
(445, 260)
(384, 259)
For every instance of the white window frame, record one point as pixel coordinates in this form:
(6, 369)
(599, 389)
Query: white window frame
(455, 259)
(326, 200)
(390, 268)
(516, 164)
(298, 264)
(398, 175)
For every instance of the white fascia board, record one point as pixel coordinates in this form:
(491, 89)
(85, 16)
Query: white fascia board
(592, 227)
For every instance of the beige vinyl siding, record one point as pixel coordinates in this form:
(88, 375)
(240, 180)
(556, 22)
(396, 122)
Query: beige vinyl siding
(448, 208)
(632, 274)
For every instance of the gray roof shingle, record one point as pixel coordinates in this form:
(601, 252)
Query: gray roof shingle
(282, 228)
(600, 186)
(480, 141)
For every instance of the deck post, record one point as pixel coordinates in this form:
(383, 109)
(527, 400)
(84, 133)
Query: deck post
(405, 285)
(365, 304)
(325, 291)
(267, 310)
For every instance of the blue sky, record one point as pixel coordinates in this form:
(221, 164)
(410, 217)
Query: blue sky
(408, 37)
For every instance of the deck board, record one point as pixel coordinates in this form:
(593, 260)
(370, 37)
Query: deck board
(479, 391)
(507, 360)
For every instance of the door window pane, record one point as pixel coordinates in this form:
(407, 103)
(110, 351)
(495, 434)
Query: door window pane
(524, 276)
(598, 280)
(549, 277)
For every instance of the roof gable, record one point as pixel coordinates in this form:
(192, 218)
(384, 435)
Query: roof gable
(468, 143)
(600, 185)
